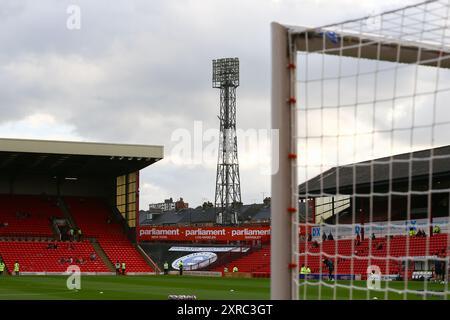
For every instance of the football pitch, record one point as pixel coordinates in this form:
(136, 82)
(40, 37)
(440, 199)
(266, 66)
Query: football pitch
(160, 287)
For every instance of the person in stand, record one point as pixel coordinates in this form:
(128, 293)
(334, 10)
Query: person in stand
(358, 239)
(80, 235)
(307, 270)
(123, 269)
(309, 237)
(166, 268)
(180, 267)
(2, 267)
(436, 229)
(225, 270)
(330, 267)
(117, 267)
(235, 269)
(17, 268)
(330, 236)
(324, 236)
(304, 270)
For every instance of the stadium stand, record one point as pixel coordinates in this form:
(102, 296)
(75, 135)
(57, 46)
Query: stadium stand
(258, 262)
(27, 215)
(36, 256)
(92, 216)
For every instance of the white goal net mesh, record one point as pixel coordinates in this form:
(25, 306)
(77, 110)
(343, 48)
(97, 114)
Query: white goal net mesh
(372, 129)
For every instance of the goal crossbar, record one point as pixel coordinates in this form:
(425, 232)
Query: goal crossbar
(366, 46)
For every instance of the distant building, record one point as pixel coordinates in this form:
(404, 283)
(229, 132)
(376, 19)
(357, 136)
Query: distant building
(169, 205)
(180, 204)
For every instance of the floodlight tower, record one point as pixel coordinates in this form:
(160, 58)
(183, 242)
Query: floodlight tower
(228, 188)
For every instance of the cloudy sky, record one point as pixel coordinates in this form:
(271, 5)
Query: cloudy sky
(138, 71)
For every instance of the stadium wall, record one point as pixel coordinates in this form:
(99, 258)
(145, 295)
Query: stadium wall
(35, 184)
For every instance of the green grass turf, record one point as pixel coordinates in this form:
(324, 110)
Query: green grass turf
(159, 287)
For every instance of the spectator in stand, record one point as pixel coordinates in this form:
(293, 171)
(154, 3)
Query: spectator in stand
(330, 267)
(93, 257)
(166, 268)
(303, 269)
(16, 268)
(315, 244)
(380, 246)
(180, 267)
(438, 271)
(358, 239)
(324, 236)
(309, 237)
(373, 236)
(117, 267)
(330, 236)
(436, 229)
(79, 235)
(123, 268)
(2, 267)
(412, 232)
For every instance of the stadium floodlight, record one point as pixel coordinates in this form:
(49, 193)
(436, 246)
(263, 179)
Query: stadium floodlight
(353, 103)
(225, 72)
(228, 187)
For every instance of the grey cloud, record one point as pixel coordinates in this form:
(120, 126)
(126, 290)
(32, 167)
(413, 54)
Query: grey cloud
(137, 70)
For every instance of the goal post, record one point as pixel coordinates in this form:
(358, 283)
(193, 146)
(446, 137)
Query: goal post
(356, 105)
(284, 203)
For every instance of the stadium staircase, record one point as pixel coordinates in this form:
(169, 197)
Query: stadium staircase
(148, 258)
(102, 255)
(62, 205)
(92, 216)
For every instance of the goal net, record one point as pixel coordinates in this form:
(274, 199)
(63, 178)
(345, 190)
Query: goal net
(360, 194)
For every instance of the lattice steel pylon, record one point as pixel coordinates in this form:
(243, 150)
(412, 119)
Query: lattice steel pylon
(228, 188)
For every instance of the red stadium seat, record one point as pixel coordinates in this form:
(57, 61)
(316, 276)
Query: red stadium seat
(27, 215)
(91, 216)
(36, 257)
(346, 261)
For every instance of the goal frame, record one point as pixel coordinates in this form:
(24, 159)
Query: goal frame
(286, 42)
